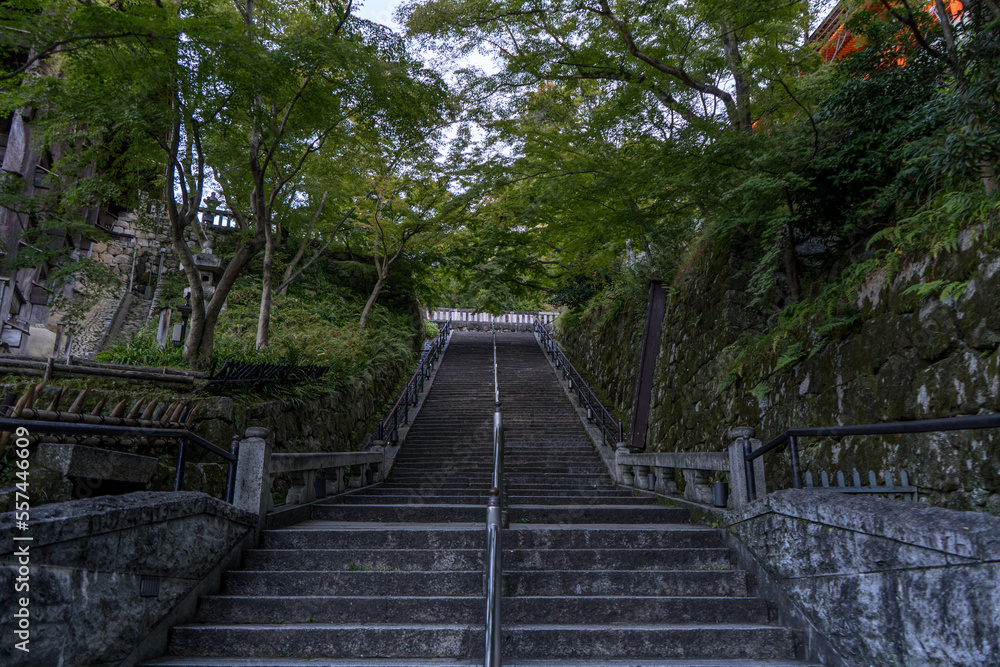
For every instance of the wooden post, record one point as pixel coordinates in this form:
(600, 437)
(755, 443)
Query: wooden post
(649, 349)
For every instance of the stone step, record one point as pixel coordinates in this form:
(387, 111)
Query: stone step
(428, 560)
(635, 514)
(574, 514)
(429, 498)
(320, 640)
(294, 583)
(394, 513)
(223, 609)
(439, 662)
(684, 583)
(386, 490)
(326, 535)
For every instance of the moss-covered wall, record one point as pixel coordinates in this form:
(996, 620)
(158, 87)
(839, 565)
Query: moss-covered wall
(603, 343)
(904, 358)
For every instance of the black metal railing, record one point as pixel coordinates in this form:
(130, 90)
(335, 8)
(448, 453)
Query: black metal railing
(611, 428)
(791, 436)
(237, 376)
(494, 525)
(388, 427)
(183, 437)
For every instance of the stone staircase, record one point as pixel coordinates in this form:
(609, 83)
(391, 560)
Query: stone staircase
(393, 574)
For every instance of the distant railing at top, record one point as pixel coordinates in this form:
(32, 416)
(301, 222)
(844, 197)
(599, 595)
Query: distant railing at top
(611, 428)
(463, 316)
(388, 427)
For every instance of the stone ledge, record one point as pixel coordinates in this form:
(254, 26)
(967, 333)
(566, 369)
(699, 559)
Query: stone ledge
(971, 535)
(60, 522)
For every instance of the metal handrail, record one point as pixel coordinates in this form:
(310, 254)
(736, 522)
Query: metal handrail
(494, 524)
(410, 393)
(964, 423)
(182, 436)
(611, 428)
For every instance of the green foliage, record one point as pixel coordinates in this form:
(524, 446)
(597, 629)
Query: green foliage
(141, 349)
(946, 289)
(316, 323)
(431, 330)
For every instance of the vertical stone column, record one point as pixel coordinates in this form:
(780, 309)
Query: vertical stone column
(379, 468)
(303, 489)
(624, 471)
(665, 482)
(253, 475)
(641, 477)
(739, 437)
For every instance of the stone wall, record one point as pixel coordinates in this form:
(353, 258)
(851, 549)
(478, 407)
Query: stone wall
(86, 560)
(903, 358)
(604, 346)
(887, 582)
(338, 423)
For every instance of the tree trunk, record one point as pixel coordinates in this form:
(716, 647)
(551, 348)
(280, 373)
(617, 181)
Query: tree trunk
(264, 318)
(791, 261)
(730, 45)
(371, 299)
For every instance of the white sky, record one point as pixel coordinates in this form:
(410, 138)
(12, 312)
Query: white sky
(380, 11)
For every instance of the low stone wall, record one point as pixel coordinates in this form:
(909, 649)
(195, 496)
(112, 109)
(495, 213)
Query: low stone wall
(887, 582)
(338, 423)
(86, 560)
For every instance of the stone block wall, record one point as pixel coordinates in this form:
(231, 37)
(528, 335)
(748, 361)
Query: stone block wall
(903, 358)
(86, 561)
(886, 582)
(604, 346)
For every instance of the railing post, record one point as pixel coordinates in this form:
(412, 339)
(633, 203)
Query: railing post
(793, 454)
(253, 475)
(494, 580)
(234, 449)
(746, 478)
(181, 462)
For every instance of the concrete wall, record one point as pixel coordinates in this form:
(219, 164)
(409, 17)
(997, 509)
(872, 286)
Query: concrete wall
(888, 583)
(902, 358)
(86, 559)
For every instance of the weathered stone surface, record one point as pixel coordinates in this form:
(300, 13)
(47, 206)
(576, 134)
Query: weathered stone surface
(87, 557)
(89, 462)
(889, 582)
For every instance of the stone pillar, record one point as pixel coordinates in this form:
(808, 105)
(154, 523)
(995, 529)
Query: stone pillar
(624, 471)
(739, 436)
(379, 468)
(620, 469)
(253, 475)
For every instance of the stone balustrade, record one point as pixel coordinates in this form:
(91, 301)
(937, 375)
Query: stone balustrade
(634, 469)
(320, 474)
(313, 475)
